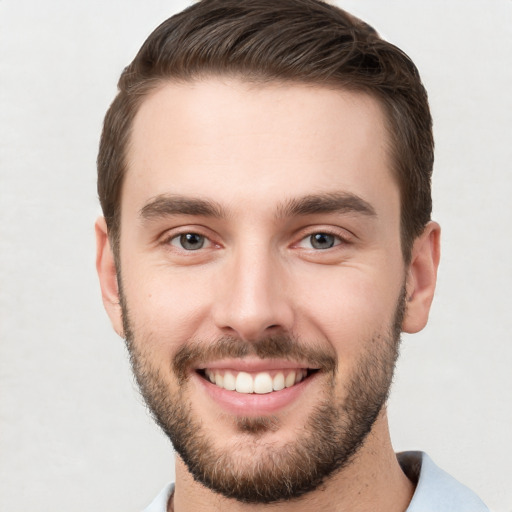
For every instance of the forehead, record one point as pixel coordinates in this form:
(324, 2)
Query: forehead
(233, 141)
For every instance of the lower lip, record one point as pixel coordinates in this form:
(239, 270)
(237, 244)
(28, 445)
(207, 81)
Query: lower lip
(254, 404)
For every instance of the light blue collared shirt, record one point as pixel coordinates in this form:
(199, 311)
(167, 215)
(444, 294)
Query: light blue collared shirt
(436, 490)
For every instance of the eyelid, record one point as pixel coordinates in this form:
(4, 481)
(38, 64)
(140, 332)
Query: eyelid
(307, 240)
(175, 241)
(175, 233)
(343, 236)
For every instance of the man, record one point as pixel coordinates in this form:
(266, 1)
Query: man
(264, 174)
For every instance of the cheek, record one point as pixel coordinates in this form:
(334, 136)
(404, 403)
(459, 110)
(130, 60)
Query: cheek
(348, 308)
(168, 309)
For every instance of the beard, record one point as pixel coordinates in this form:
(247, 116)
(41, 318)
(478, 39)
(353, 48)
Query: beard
(253, 470)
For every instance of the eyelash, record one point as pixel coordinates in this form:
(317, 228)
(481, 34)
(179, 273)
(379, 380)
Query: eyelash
(178, 238)
(339, 239)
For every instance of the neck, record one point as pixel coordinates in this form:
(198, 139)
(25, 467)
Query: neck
(372, 481)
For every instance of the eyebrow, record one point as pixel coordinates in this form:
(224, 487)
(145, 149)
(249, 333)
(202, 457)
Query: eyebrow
(167, 205)
(335, 202)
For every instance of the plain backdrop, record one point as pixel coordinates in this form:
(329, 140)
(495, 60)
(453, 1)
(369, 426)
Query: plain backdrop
(74, 434)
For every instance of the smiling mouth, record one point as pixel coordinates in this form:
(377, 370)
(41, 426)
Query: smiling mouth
(256, 382)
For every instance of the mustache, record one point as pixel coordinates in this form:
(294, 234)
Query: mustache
(282, 346)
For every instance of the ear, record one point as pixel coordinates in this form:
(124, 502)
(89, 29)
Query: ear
(422, 277)
(107, 273)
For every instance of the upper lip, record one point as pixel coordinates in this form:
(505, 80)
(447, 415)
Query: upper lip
(253, 365)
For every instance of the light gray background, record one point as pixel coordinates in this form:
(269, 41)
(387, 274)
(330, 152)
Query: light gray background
(73, 432)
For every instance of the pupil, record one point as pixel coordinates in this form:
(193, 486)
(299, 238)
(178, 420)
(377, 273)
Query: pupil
(322, 241)
(191, 241)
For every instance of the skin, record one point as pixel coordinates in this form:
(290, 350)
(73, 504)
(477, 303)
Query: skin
(252, 150)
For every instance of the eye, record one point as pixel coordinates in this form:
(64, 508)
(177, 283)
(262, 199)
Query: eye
(189, 241)
(320, 241)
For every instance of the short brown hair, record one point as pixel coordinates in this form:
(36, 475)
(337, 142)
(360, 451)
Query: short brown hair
(305, 41)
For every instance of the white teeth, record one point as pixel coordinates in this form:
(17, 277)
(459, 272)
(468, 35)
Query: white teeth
(262, 383)
(244, 383)
(299, 376)
(229, 381)
(290, 380)
(278, 382)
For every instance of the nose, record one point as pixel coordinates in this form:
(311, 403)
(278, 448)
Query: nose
(252, 299)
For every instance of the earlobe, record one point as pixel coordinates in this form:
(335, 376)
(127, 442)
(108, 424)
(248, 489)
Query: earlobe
(422, 277)
(107, 273)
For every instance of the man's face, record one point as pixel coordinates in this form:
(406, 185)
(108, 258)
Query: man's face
(260, 249)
